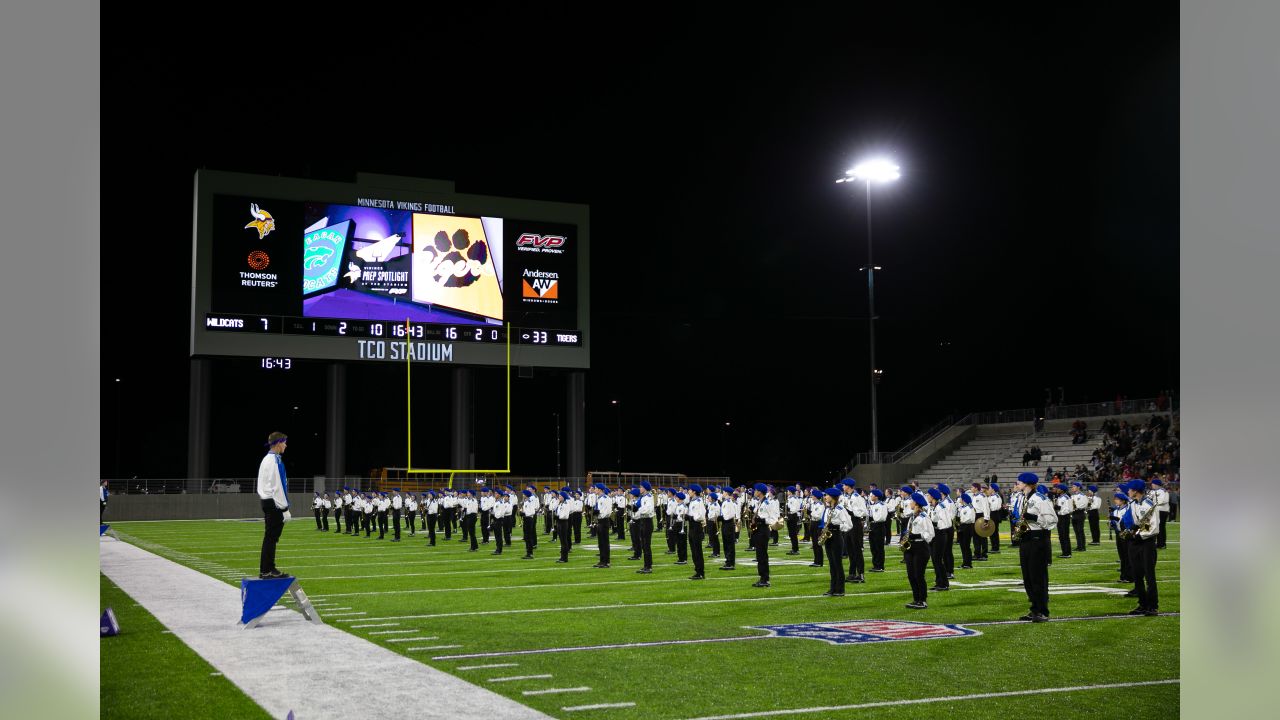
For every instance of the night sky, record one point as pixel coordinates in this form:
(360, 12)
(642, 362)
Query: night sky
(1031, 243)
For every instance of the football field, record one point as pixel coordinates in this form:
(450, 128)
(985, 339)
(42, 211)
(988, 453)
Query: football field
(576, 642)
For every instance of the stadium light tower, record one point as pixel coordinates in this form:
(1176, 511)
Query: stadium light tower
(872, 171)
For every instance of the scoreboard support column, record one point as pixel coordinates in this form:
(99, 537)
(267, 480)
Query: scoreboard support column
(461, 447)
(576, 412)
(198, 423)
(335, 458)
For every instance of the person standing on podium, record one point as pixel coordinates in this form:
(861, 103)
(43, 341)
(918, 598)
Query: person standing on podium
(273, 490)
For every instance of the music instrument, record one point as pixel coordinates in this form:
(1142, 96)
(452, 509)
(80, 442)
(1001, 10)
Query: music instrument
(824, 535)
(984, 527)
(1015, 535)
(904, 540)
(1143, 525)
(749, 516)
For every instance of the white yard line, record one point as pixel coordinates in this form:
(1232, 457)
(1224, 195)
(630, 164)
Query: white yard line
(414, 639)
(376, 625)
(203, 613)
(432, 647)
(656, 643)
(549, 691)
(921, 701)
(602, 706)
(513, 678)
(486, 667)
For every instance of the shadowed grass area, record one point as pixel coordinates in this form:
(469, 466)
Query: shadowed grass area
(501, 604)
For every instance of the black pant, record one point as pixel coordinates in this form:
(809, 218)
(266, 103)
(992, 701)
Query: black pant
(575, 520)
(1126, 570)
(760, 541)
(1064, 534)
(996, 517)
(644, 529)
(679, 531)
(317, 513)
(837, 568)
(395, 517)
(1164, 529)
(979, 545)
(337, 520)
(729, 537)
(1077, 524)
(369, 522)
(546, 521)
(695, 546)
(813, 532)
(1095, 527)
(948, 550)
(1142, 562)
(530, 534)
(773, 537)
(878, 532)
(508, 526)
(102, 509)
(410, 522)
(566, 538)
(382, 524)
(967, 536)
(499, 537)
(671, 536)
(853, 540)
(1033, 555)
(620, 522)
(713, 535)
(469, 528)
(448, 523)
(793, 530)
(917, 557)
(274, 518)
(431, 528)
(603, 538)
(484, 523)
(324, 517)
(936, 549)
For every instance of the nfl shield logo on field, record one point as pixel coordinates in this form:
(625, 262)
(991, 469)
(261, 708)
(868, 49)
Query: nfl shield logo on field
(868, 631)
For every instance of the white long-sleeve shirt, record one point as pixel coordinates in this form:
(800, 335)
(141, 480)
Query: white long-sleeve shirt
(729, 510)
(604, 505)
(646, 508)
(981, 506)
(270, 487)
(768, 512)
(397, 502)
(530, 506)
(967, 515)
(941, 516)
(921, 525)
(1042, 508)
(878, 512)
(994, 502)
(1079, 501)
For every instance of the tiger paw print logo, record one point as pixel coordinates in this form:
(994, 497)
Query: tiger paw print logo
(262, 221)
(457, 261)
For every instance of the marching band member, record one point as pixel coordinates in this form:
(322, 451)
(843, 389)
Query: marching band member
(856, 506)
(767, 515)
(431, 515)
(794, 505)
(966, 516)
(1160, 496)
(397, 506)
(564, 510)
(1064, 505)
(338, 511)
(529, 513)
(1142, 519)
(369, 521)
(548, 513)
(995, 504)
(498, 518)
(941, 520)
(643, 513)
(621, 516)
(348, 509)
(668, 518)
(730, 519)
(1079, 508)
(772, 495)
(575, 515)
(696, 522)
(892, 503)
(981, 509)
(1033, 505)
(816, 506)
(486, 509)
(316, 505)
(384, 511)
(446, 508)
(834, 522)
(713, 522)
(470, 510)
(677, 516)
(411, 513)
(878, 514)
(1119, 506)
(1095, 511)
(553, 507)
(537, 499)
(590, 509)
(948, 534)
(604, 516)
(918, 530)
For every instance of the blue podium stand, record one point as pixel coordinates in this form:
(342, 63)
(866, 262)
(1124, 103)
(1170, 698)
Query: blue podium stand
(257, 597)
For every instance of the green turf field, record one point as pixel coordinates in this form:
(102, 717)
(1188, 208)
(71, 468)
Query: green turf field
(488, 607)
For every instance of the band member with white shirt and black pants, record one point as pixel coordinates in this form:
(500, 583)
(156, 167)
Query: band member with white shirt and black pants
(1034, 550)
(981, 509)
(835, 519)
(1142, 521)
(918, 528)
(878, 514)
(794, 506)
(273, 491)
(563, 512)
(730, 513)
(604, 516)
(857, 509)
(317, 504)
(1064, 506)
(941, 519)
(1160, 496)
(1095, 516)
(644, 514)
(696, 520)
(767, 515)
(1079, 508)
(998, 512)
(966, 516)
(397, 507)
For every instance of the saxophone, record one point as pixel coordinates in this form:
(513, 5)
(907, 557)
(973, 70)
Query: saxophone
(904, 540)
(1143, 525)
(749, 516)
(1015, 535)
(824, 535)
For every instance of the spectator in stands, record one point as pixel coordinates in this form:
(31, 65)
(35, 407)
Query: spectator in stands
(1026, 457)
(1039, 425)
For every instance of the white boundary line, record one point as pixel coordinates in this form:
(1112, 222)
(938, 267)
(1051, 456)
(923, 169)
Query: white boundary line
(414, 639)
(432, 647)
(377, 625)
(603, 706)
(548, 691)
(921, 701)
(393, 632)
(513, 678)
(486, 667)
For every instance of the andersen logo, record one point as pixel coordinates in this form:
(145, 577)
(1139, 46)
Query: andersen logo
(539, 286)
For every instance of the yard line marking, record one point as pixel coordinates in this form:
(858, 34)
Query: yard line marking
(555, 690)
(431, 647)
(598, 707)
(550, 585)
(512, 678)
(1065, 619)
(921, 701)
(346, 614)
(377, 625)
(486, 667)
(425, 637)
(215, 674)
(655, 643)
(391, 632)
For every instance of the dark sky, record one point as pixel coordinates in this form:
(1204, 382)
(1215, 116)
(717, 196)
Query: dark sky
(1031, 242)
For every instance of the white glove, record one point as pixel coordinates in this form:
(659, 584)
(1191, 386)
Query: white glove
(287, 516)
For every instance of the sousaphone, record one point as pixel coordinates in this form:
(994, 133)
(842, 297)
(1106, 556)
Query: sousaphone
(984, 527)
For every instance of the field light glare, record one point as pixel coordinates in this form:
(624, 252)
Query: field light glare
(875, 171)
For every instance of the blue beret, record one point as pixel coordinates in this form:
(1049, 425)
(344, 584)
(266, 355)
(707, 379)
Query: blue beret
(715, 497)
(942, 488)
(564, 494)
(994, 486)
(635, 491)
(1059, 486)
(1028, 478)
(1093, 488)
(1042, 489)
(508, 487)
(695, 487)
(918, 499)
(935, 493)
(761, 487)
(384, 494)
(680, 495)
(602, 486)
(317, 494)
(528, 493)
(1138, 485)
(965, 497)
(1157, 481)
(546, 487)
(816, 493)
(395, 489)
(907, 489)
(849, 482)
(834, 492)
(1076, 484)
(878, 493)
(645, 484)
(1121, 496)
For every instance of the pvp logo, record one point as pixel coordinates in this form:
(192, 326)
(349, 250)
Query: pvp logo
(868, 631)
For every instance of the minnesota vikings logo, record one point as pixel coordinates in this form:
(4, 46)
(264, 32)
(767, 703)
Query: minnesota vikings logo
(263, 222)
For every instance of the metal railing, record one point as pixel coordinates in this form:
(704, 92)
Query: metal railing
(993, 417)
(913, 445)
(415, 483)
(1126, 407)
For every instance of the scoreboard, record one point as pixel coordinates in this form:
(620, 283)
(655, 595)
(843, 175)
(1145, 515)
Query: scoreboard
(386, 269)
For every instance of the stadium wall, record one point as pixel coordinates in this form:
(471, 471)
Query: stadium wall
(207, 506)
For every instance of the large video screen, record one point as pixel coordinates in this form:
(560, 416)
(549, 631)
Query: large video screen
(296, 267)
